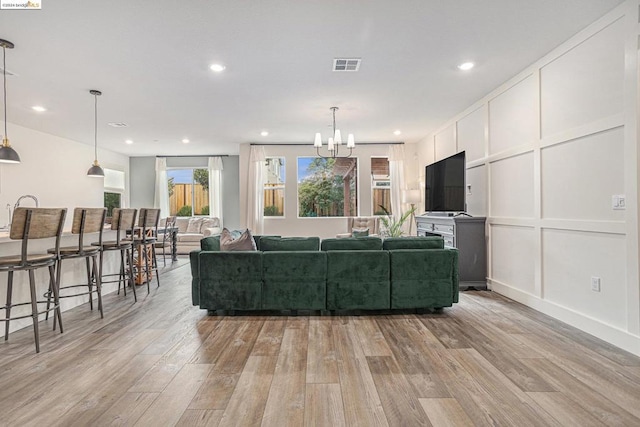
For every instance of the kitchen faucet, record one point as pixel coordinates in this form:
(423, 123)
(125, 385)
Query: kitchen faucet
(26, 196)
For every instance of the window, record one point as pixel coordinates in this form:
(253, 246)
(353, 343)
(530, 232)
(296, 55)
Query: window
(327, 187)
(112, 200)
(188, 191)
(274, 178)
(380, 185)
(113, 190)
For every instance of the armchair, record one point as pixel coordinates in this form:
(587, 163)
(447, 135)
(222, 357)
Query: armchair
(360, 223)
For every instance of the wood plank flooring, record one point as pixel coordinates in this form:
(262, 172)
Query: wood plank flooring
(162, 362)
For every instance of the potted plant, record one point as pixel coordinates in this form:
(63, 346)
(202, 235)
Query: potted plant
(393, 226)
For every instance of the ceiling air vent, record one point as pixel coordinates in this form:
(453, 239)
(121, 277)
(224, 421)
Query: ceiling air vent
(117, 125)
(346, 64)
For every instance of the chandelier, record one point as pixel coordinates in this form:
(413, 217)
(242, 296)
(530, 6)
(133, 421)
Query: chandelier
(334, 143)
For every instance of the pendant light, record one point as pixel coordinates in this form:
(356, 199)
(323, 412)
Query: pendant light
(7, 154)
(95, 170)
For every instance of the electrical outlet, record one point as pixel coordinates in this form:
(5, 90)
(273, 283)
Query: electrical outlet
(618, 202)
(595, 284)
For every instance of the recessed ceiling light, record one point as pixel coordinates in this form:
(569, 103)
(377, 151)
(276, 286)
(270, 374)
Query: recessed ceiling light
(38, 108)
(264, 133)
(218, 68)
(466, 66)
(128, 141)
(396, 132)
(185, 141)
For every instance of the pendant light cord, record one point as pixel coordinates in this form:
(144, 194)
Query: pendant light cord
(4, 76)
(95, 127)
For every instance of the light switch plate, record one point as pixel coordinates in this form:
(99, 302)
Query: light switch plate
(618, 202)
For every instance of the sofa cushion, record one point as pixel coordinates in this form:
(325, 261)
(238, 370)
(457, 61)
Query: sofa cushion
(182, 222)
(210, 226)
(358, 280)
(352, 244)
(294, 280)
(289, 243)
(188, 237)
(211, 243)
(421, 242)
(195, 223)
(244, 242)
(359, 232)
(257, 237)
(230, 280)
(423, 278)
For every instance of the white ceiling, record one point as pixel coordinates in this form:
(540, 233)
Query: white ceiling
(151, 61)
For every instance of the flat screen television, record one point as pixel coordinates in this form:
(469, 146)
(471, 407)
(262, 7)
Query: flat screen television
(445, 185)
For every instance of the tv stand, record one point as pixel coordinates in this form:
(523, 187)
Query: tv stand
(465, 234)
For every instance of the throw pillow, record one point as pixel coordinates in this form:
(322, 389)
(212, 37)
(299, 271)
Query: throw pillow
(194, 225)
(359, 232)
(243, 243)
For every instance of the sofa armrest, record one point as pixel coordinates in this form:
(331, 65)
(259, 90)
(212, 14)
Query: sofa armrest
(211, 231)
(195, 276)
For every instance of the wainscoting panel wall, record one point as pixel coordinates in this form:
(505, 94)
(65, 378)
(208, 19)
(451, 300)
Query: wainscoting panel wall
(477, 191)
(446, 143)
(470, 131)
(567, 279)
(511, 186)
(591, 170)
(512, 249)
(561, 138)
(512, 117)
(586, 83)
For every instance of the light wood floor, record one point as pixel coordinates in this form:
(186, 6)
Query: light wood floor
(162, 362)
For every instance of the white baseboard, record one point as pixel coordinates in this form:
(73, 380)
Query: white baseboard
(595, 327)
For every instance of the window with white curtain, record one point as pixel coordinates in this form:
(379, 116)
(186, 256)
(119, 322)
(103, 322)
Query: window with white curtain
(273, 174)
(380, 185)
(188, 191)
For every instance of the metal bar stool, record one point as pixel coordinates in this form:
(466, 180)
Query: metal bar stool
(122, 222)
(29, 224)
(166, 241)
(85, 220)
(144, 242)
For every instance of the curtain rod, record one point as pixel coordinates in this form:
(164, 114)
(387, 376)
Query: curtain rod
(311, 144)
(201, 155)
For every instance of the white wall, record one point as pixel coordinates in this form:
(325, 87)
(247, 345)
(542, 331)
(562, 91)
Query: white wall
(545, 153)
(55, 171)
(290, 224)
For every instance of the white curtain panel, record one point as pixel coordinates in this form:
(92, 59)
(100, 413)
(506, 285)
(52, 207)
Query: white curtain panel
(396, 173)
(161, 199)
(255, 192)
(215, 188)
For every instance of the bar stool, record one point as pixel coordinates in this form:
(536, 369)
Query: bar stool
(122, 222)
(167, 240)
(85, 220)
(29, 224)
(144, 241)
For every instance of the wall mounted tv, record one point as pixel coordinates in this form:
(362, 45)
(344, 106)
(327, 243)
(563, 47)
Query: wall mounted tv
(445, 185)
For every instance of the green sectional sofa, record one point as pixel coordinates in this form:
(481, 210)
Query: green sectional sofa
(299, 273)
